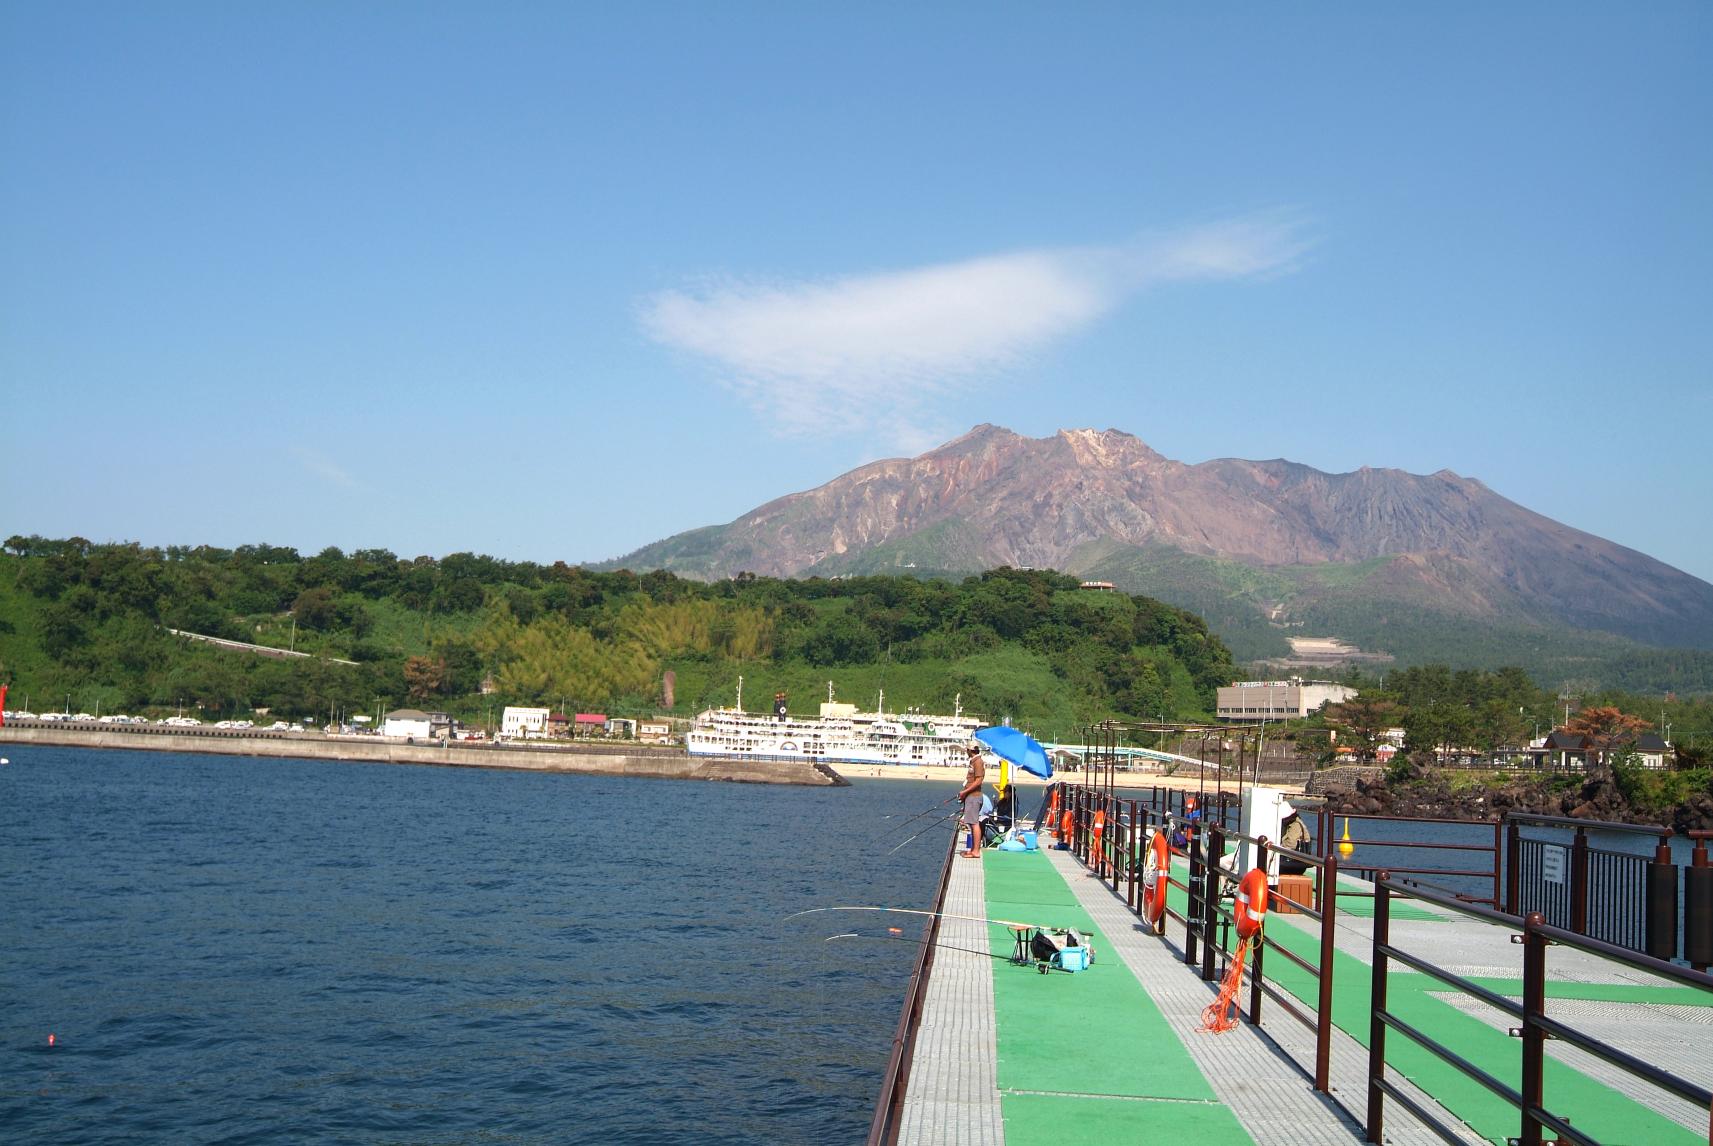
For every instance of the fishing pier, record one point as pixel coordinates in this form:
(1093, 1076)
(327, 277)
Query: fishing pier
(1498, 1005)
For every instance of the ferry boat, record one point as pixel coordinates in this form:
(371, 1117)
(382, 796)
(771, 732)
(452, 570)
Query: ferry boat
(840, 734)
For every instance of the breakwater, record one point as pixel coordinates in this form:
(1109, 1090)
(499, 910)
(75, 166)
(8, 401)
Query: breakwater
(638, 760)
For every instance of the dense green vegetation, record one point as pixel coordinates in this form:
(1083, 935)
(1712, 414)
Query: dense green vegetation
(1360, 605)
(85, 626)
(1445, 709)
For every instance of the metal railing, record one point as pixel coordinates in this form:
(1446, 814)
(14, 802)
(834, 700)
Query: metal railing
(889, 1106)
(1327, 840)
(1536, 935)
(1617, 897)
(1207, 921)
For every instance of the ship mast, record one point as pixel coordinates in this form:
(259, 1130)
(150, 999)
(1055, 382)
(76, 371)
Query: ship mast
(740, 692)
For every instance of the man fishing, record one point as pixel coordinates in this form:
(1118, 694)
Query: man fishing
(971, 795)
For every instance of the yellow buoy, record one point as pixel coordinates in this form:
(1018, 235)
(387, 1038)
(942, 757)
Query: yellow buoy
(1345, 847)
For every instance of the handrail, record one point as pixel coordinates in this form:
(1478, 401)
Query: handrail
(1493, 874)
(1205, 913)
(1603, 825)
(1536, 1027)
(883, 1127)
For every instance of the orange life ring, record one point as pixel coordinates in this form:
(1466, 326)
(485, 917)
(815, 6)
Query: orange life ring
(1156, 870)
(1250, 906)
(1067, 825)
(1053, 811)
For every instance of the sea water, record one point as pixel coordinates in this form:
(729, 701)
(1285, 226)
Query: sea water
(229, 949)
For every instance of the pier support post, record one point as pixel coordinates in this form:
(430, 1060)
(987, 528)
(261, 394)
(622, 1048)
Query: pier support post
(1698, 905)
(1579, 882)
(1661, 937)
(1260, 946)
(1534, 1038)
(1376, 1122)
(1192, 886)
(1323, 1001)
(1213, 850)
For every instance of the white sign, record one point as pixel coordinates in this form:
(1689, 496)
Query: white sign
(1552, 863)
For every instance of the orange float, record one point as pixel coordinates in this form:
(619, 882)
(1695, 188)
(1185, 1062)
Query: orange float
(1156, 870)
(1250, 907)
(1096, 857)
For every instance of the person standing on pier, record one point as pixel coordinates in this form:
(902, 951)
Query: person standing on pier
(1293, 834)
(971, 796)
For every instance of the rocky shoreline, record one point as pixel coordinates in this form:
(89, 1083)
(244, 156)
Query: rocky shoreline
(1418, 791)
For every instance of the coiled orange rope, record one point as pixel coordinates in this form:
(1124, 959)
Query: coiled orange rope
(1220, 1015)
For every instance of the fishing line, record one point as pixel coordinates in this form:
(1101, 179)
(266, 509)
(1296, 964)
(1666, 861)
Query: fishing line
(941, 915)
(920, 943)
(918, 816)
(940, 823)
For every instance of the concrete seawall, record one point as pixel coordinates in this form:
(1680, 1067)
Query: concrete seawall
(655, 763)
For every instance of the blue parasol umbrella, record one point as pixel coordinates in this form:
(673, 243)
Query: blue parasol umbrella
(1018, 747)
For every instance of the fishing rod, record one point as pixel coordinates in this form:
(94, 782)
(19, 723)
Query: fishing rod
(943, 915)
(919, 815)
(940, 823)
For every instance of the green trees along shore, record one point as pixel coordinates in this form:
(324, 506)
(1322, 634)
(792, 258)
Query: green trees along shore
(86, 626)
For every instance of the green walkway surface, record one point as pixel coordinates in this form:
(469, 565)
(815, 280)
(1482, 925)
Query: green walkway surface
(1085, 1057)
(1591, 1106)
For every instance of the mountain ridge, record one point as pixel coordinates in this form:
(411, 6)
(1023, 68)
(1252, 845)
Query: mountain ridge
(1440, 543)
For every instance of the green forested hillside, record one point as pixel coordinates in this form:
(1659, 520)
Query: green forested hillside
(1365, 605)
(86, 626)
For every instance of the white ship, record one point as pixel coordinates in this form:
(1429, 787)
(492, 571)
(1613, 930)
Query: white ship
(840, 733)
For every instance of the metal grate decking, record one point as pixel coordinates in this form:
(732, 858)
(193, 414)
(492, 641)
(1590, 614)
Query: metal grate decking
(952, 1096)
(1253, 1070)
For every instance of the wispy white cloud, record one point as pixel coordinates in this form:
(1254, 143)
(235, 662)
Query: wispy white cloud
(324, 467)
(876, 349)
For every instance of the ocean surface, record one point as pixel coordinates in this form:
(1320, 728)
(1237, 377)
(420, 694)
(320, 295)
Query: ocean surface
(236, 950)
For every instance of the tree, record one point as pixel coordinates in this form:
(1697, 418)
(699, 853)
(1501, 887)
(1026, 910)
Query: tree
(314, 608)
(424, 677)
(1608, 729)
(1362, 722)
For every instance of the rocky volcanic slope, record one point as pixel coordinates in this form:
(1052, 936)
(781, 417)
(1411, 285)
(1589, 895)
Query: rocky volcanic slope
(992, 497)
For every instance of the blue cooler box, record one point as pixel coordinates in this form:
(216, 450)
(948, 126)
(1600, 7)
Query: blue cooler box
(1072, 959)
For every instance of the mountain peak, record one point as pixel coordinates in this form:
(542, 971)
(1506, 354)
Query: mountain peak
(993, 497)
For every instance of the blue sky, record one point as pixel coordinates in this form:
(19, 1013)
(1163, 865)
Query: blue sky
(552, 280)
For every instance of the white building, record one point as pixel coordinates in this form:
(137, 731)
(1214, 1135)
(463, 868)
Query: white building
(522, 723)
(406, 722)
(1258, 700)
